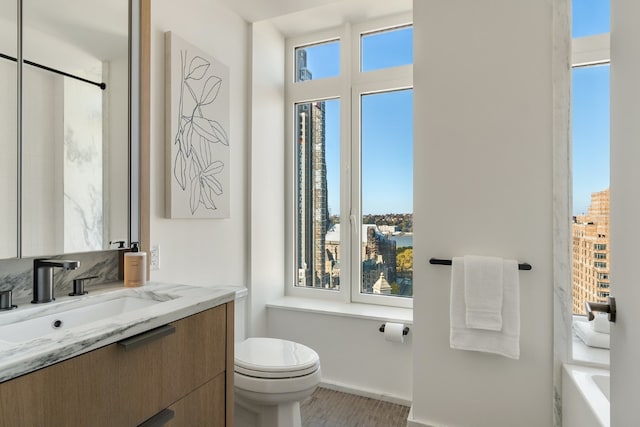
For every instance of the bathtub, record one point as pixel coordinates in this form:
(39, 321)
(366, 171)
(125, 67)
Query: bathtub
(585, 397)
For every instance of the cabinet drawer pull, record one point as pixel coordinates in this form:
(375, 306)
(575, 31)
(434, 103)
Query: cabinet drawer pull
(145, 337)
(159, 419)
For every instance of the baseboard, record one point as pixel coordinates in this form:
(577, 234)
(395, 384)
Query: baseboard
(365, 393)
(411, 422)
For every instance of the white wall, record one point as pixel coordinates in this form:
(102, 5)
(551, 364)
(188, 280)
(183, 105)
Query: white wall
(8, 160)
(116, 148)
(625, 202)
(43, 179)
(208, 252)
(266, 172)
(8, 117)
(353, 353)
(483, 174)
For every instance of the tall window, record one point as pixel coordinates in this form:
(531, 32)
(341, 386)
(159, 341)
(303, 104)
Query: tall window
(590, 119)
(318, 167)
(387, 187)
(352, 163)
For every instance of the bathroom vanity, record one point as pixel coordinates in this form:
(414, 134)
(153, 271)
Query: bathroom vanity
(169, 363)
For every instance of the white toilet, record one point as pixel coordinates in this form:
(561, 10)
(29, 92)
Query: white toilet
(272, 376)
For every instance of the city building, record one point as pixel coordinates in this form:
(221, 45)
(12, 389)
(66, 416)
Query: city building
(378, 259)
(591, 262)
(382, 286)
(334, 254)
(313, 213)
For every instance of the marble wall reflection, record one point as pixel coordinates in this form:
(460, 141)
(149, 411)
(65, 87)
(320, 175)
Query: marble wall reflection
(17, 274)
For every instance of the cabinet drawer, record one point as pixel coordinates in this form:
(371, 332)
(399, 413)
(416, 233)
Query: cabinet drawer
(78, 391)
(158, 373)
(196, 353)
(117, 386)
(203, 407)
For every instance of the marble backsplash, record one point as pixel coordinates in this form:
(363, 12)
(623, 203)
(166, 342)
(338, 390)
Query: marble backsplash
(17, 274)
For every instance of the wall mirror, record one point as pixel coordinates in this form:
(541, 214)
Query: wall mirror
(8, 130)
(65, 168)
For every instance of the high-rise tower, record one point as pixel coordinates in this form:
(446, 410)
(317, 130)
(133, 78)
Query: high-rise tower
(591, 252)
(313, 212)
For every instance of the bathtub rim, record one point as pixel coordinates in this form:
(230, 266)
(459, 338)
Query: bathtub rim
(598, 403)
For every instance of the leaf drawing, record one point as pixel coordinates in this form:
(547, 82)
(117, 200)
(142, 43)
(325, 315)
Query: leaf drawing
(210, 90)
(213, 169)
(194, 97)
(219, 131)
(197, 68)
(194, 200)
(207, 198)
(210, 130)
(196, 168)
(179, 170)
(205, 148)
(210, 184)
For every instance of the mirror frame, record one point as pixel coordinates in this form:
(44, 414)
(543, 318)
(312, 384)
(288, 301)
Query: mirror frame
(139, 123)
(19, 65)
(144, 174)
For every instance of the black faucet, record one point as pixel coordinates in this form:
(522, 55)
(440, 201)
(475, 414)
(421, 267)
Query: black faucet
(43, 277)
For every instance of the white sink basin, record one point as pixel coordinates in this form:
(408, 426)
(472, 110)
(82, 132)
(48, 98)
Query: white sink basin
(65, 317)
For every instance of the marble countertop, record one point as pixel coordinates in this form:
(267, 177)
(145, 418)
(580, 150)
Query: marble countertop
(175, 302)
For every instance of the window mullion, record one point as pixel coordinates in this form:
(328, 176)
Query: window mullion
(591, 50)
(346, 166)
(355, 197)
(315, 90)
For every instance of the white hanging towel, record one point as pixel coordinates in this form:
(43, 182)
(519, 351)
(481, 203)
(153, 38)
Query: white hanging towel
(483, 292)
(505, 342)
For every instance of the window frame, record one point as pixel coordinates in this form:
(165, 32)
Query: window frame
(586, 51)
(347, 87)
(358, 91)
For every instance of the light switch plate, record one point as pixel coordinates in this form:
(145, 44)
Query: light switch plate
(155, 257)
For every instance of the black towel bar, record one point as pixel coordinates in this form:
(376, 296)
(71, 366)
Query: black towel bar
(436, 261)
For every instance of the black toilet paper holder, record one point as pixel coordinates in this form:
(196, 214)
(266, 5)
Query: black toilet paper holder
(405, 330)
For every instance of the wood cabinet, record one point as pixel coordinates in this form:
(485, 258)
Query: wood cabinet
(202, 407)
(186, 372)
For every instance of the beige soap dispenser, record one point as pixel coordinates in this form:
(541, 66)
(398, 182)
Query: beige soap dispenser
(135, 267)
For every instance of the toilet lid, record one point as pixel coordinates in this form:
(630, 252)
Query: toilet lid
(274, 358)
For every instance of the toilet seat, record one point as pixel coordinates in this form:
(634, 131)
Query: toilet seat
(272, 358)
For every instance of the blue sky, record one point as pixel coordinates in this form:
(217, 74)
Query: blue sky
(387, 123)
(387, 152)
(387, 126)
(590, 107)
(589, 17)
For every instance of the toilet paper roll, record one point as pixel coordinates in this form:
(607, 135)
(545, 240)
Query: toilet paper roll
(393, 332)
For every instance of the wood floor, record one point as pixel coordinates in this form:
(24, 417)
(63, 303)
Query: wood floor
(330, 408)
